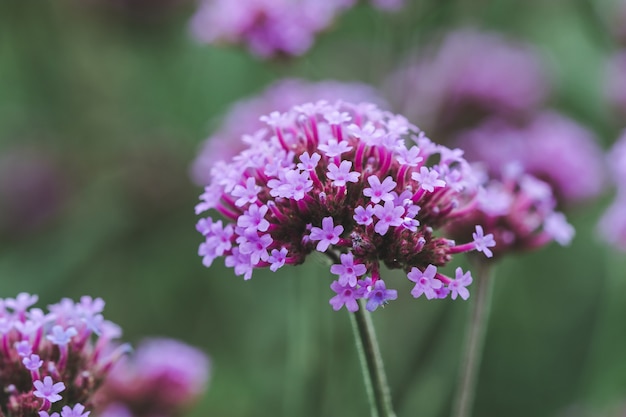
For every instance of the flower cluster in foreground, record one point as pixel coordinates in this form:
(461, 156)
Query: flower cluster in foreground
(270, 28)
(361, 185)
(51, 363)
(161, 378)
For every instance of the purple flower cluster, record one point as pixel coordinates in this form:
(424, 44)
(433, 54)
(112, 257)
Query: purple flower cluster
(550, 146)
(518, 210)
(271, 28)
(469, 75)
(359, 184)
(51, 363)
(161, 378)
(243, 117)
(613, 223)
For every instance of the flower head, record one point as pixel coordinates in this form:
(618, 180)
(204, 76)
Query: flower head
(514, 212)
(55, 358)
(363, 203)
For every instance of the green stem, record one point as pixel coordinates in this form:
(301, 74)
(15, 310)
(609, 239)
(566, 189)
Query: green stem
(474, 341)
(371, 363)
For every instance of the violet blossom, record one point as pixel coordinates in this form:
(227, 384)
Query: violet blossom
(387, 214)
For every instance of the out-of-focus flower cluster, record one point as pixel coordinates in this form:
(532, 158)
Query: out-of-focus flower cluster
(51, 363)
(359, 184)
(270, 28)
(613, 223)
(243, 116)
(162, 378)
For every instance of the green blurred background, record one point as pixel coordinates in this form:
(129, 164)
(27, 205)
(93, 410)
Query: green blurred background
(115, 105)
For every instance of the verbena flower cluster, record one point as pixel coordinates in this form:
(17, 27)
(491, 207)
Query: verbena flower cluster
(361, 185)
(51, 363)
(613, 223)
(448, 86)
(550, 146)
(163, 377)
(270, 28)
(519, 210)
(243, 117)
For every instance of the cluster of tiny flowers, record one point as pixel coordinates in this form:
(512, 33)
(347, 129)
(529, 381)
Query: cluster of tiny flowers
(613, 223)
(468, 75)
(243, 116)
(51, 363)
(270, 28)
(519, 211)
(359, 184)
(550, 146)
(162, 378)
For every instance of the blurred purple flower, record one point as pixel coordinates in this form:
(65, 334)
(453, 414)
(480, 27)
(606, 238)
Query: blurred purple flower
(271, 28)
(402, 187)
(243, 117)
(162, 377)
(518, 212)
(612, 225)
(268, 28)
(550, 147)
(467, 76)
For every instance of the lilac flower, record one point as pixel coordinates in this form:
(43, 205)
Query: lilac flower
(77, 411)
(428, 179)
(363, 216)
(342, 174)
(425, 282)
(379, 295)
(328, 235)
(247, 193)
(388, 215)
(45, 414)
(61, 336)
(482, 242)
(348, 271)
(277, 259)
(254, 219)
(458, 286)
(162, 377)
(380, 214)
(346, 295)
(33, 362)
(378, 191)
(48, 390)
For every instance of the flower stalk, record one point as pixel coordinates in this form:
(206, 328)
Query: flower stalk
(371, 363)
(474, 340)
